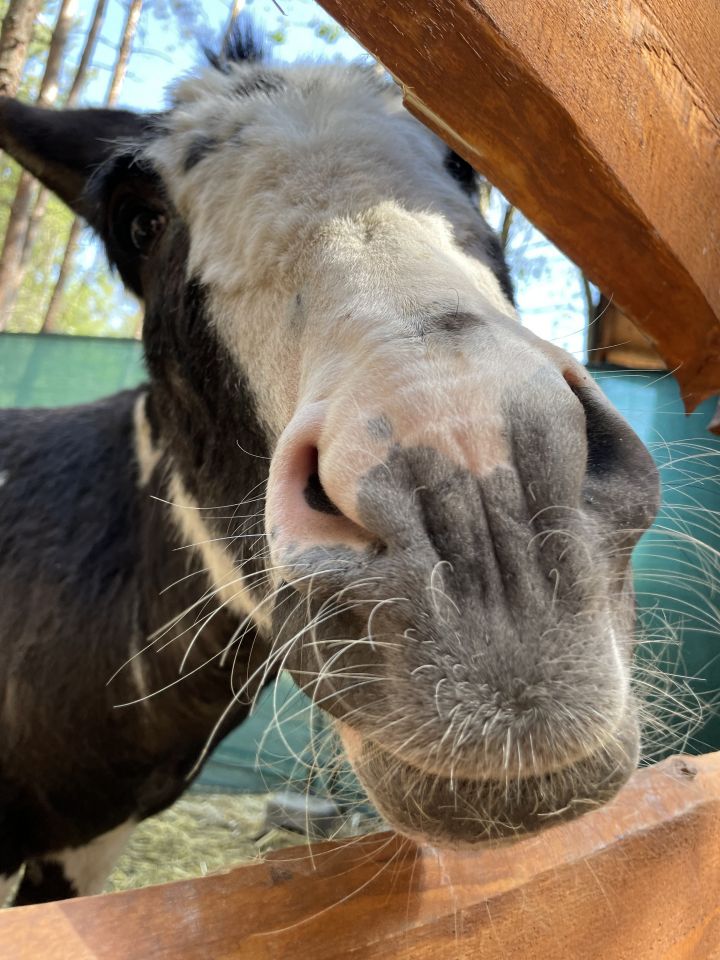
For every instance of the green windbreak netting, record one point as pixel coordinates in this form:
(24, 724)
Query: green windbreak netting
(676, 565)
(51, 371)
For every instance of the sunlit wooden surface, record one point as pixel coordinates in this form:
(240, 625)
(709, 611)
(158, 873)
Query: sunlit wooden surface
(638, 879)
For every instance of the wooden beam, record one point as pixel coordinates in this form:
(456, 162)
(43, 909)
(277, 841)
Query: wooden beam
(637, 879)
(614, 339)
(601, 121)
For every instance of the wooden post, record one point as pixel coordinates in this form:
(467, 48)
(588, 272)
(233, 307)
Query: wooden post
(601, 121)
(638, 879)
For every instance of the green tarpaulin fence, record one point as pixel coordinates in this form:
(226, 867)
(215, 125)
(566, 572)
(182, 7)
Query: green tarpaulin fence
(51, 371)
(675, 577)
(677, 564)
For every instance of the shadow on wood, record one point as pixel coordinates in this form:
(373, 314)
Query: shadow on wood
(637, 879)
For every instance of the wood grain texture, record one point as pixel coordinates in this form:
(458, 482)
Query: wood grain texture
(636, 880)
(600, 119)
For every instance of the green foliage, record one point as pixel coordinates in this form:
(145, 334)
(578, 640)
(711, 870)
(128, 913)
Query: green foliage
(325, 30)
(9, 176)
(42, 35)
(42, 269)
(95, 304)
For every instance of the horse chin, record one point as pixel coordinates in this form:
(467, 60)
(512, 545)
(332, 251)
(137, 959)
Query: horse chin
(454, 812)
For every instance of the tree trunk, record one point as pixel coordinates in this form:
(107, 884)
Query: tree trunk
(138, 330)
(49, 84)
(15, 35)
(484, 194)
(120, 69)
(118, 75)
(595, 312)
(11, 271)
(88, 50)
(53, 309)
(506, 224)
(70, 101)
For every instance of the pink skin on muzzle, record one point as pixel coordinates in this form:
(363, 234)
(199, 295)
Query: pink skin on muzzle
(293, 524)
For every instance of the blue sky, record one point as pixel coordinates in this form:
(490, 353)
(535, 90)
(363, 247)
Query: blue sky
(549, 293)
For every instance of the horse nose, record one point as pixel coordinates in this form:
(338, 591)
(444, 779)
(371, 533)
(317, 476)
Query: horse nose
(573, 452)
(394, 482)
(310, 506)
(547, 448)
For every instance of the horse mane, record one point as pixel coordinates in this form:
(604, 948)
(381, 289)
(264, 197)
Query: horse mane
(243, 43)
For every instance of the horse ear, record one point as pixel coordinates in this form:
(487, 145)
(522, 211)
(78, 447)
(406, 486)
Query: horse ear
(63, 147)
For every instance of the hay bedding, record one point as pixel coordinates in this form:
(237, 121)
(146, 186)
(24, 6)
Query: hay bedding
(206, 832)
(199, 834)
(203, 833)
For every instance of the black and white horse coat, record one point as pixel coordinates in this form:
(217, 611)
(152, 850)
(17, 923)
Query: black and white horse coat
(350, 461)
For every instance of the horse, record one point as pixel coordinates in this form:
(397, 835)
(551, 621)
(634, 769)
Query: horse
(350, 461)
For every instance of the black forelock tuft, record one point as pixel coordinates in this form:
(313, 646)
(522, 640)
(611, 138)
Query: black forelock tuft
(242, 44)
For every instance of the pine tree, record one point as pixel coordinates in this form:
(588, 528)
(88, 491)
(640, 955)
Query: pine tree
(10, 260)
(116, 80)
(15, 36)
(70, 101)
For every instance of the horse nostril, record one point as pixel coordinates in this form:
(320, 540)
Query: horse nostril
(620, 473)
(315, 494)
(309, 507)
(606, 435)
(604, 440)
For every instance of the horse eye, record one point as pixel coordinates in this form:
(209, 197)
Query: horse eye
(145, 226)
(137, 225)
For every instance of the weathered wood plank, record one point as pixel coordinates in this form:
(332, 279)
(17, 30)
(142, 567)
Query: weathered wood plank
(638, 879)
(600, 119)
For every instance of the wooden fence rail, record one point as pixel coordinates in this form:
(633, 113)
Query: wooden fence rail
(638, 879)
